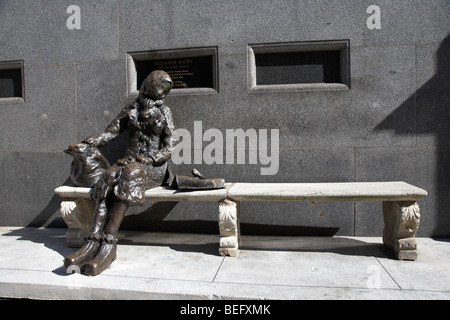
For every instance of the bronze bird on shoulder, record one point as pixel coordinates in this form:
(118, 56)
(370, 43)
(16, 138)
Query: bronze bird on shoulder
(87, 166)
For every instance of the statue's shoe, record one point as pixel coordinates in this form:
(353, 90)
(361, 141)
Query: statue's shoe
(105, 256)
(82, 255)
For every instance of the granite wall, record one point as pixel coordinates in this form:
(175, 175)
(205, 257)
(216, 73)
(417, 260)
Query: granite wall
(392, 123)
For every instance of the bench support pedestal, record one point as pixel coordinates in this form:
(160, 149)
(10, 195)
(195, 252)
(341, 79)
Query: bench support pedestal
(401, 221)
(77, 214)
(229, 228)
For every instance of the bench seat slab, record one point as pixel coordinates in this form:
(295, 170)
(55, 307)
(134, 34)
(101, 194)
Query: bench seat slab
(335, 191)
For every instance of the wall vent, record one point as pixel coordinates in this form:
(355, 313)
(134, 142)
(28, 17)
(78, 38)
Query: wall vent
(11, 82)
(322, 65)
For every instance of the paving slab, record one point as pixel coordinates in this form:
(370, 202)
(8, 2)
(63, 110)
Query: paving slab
(188, 266)
(306, 261)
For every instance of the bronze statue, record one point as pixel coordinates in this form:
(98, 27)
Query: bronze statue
(115, 188)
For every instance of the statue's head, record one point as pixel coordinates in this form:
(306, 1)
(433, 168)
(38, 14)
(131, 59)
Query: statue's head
(77, 149)
(156, 86)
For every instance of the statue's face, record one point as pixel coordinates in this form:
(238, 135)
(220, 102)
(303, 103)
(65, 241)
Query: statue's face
(76, 148)
(157, 85)
(161, 90)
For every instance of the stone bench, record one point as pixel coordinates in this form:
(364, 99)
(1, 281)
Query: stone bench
(399, 204)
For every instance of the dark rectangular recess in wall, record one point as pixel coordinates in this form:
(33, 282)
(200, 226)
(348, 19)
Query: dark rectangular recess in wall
(11, 82)
(298, 67)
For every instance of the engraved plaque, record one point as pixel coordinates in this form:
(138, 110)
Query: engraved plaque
(190, 72)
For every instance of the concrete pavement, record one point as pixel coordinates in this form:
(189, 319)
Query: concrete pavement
(187, 266)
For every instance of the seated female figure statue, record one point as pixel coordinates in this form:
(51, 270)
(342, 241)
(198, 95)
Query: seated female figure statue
(150, 128)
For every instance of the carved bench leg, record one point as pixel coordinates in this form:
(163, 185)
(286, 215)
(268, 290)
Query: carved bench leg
(229, 228)
(77, 214)
(401, 221)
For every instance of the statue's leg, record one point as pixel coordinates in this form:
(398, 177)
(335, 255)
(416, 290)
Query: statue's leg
(92, 245)
(90, 248)
(98, 221)
(129, 191)
(107, 252)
